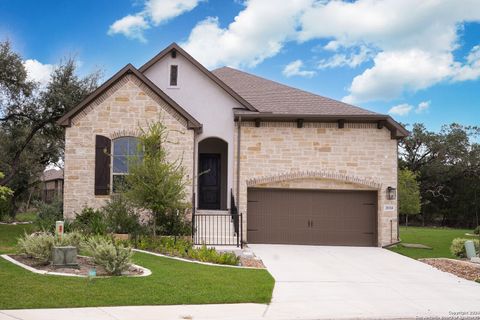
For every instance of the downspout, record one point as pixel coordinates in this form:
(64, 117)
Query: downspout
(238, 158)
(195, 132)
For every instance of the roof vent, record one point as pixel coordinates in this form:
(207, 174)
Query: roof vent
(174, 53)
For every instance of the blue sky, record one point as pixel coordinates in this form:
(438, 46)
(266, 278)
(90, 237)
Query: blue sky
(421, 65)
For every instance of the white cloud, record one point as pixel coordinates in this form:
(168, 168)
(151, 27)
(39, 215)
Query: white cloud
(395, 72)
(154, 13)
(130, 26)
(352, 60)
(401, 109)
(38, 71)
(422, 107)
(294, 69)
(405, 108)
(410, 42)
(471, 69)
(400, 32)
(257, 33)
(163, 10)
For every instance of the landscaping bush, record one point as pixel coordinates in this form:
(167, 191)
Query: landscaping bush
(180, 247)
(39, 245)
(91, 222)
(48, 214)
(121, 216)
(211, 255)
(458, 247)
(477, 230)
(110, 254)
(173, 223)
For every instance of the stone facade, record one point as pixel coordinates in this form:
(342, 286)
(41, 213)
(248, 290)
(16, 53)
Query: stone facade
(320, 156)
(119, 111)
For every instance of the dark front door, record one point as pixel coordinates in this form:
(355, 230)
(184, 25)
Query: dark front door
(209, 181)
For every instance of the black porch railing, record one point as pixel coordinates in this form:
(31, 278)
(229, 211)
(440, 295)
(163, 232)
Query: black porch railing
(217, 229)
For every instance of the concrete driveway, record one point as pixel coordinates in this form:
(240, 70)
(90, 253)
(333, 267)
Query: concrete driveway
(318, 282)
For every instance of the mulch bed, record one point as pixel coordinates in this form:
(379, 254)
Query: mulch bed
(251, 262)
(84, 265)
(461, 268)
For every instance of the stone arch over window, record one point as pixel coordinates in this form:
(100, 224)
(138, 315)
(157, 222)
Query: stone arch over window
(331, 175)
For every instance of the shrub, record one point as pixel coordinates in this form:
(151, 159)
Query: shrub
(39, 245)
(180, 247)
(211, 255)
(458, 247)
(121, 216)
(173, 223)
(477, 230)
(48, 214)
(90, 221)
(112, 255)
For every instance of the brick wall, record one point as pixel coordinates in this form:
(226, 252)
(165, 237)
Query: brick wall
(119, 111)
(320, 156)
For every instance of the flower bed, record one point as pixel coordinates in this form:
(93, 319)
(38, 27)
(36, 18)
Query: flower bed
(85, 264)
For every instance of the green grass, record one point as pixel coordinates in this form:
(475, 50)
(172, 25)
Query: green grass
(439, 239)
(9, 235)
(26, 216)
(171, 282)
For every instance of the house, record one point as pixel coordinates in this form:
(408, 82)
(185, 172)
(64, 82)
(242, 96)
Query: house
(299, 168)
(51, 186)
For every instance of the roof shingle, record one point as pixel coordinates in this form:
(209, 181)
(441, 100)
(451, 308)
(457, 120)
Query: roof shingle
(269, 96)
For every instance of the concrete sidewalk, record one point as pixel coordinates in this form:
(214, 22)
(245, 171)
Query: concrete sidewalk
(244, 311)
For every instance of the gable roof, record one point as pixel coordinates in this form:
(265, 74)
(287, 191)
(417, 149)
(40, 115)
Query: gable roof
(52, 174)
(276, 101)
(175, 47)
(65, 120)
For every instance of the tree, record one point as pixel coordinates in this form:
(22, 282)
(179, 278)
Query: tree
(408, 194)
(30, 139)
(156, 184)
(5, 193)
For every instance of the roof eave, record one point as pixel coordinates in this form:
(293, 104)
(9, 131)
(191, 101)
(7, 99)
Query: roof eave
(397, 130)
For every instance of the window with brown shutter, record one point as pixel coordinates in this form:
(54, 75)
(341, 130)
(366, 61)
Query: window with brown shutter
(173, 75)
(102, 165)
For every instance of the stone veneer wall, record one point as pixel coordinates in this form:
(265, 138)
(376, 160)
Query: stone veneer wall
(119, 111)
(320, 156)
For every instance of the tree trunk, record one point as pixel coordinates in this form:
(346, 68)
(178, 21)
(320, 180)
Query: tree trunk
(406, 220)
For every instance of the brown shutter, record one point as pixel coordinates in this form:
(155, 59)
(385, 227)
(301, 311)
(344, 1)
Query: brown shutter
(102, 165)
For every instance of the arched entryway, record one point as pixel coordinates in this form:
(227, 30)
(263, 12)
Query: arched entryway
(213, 174)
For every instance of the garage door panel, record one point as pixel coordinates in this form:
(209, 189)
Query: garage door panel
(312, 217)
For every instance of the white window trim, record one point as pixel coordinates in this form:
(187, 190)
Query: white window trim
(178, 76)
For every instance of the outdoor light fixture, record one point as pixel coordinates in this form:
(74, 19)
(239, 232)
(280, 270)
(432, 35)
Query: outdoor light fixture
(391, 193)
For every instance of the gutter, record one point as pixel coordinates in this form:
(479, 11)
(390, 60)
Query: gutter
(397, 130)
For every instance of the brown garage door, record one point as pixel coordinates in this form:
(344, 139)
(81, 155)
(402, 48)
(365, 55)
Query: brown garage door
(312, 217)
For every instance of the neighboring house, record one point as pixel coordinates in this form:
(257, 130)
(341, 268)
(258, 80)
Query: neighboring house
(51, 186)
(300, 168)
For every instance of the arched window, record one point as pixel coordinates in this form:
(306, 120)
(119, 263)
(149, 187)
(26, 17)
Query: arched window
(125, 149)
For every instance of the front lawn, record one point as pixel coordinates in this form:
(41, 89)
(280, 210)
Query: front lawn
(439, 239)
(171, 282)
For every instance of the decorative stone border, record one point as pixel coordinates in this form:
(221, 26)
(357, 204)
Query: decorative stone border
(146, 272)
(313, 174)
(194, 261)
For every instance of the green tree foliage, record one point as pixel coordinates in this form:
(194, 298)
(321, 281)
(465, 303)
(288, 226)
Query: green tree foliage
(156, 183)
(30, 139)
(408, 193)
(447, 166)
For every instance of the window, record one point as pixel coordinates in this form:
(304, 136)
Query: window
(125, 150)
(173, 75)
